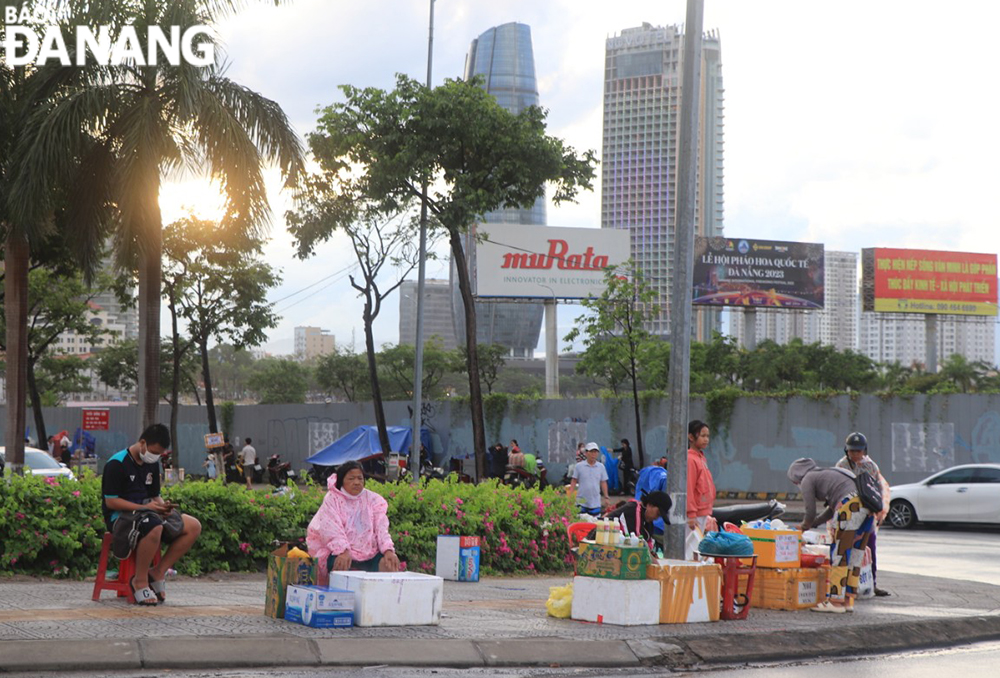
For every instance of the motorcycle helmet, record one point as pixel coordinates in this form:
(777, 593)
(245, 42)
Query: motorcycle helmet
(855, 441)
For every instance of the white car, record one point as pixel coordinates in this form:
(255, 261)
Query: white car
(961, 494)
(40, 462)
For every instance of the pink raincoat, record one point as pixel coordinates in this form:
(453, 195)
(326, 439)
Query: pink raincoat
(345, 523)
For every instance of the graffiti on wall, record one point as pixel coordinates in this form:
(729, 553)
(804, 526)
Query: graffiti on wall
(563, 439)
(926, 448)
(986, 439)
(321, 434)
(292, 437)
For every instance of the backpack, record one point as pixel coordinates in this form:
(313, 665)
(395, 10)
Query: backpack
(869, 489)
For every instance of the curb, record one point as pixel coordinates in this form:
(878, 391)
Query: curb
(867, 639)
(185, 652)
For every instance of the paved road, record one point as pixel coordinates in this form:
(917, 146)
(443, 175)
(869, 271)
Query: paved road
(955, 552)
(974, 660)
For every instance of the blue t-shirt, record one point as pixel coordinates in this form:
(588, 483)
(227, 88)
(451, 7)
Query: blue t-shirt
(125, 479)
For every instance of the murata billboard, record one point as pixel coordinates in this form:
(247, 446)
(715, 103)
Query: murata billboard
(542, 262)
(758, 273)
(928, 281)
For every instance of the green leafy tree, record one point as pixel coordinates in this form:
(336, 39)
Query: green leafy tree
(492, 358)
(56, 377)
(963, 373)
(217, 282)
(615, 333)
(118, 367)
(397, 363)
(893, 376)
(279, 381)
(231, 368)
(148, 120)
(378, 243)
(343, 373)
(379, 148)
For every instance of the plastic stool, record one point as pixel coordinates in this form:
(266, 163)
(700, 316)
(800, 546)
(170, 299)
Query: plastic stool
(732, 568)
(126, 570)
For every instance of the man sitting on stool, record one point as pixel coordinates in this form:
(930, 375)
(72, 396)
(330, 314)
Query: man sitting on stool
(131, 482)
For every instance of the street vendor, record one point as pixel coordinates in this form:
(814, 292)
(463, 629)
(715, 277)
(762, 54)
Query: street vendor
(640, 514)
(351, 529)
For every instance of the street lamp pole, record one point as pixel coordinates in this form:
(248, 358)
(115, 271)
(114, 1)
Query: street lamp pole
(551, 346)
(418, 340)
(680, 293)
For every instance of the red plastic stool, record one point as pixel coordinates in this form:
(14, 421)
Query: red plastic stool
(732, 568)
(578, 532)
(126, 570)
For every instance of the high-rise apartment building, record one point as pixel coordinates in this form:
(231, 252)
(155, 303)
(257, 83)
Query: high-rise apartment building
(503, 56)
(892, 337)
(312, 342)
(438, 316)
(836, 324)
(642, 103)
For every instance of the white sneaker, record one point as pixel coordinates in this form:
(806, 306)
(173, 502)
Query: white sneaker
(827, 606)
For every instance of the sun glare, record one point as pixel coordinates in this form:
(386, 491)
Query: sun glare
(197, 196)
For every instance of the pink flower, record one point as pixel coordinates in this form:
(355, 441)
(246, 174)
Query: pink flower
(245, 547)
(48, 500)
(19, 515)
(459, 514)
(459, 501)
(51, 480)
(76, 493)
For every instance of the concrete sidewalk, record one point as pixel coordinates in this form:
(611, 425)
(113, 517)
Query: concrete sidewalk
(218, 622)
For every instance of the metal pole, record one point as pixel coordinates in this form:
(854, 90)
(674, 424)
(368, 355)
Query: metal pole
(418, 340)
(551, 347)
(680, 293)
(931, 342)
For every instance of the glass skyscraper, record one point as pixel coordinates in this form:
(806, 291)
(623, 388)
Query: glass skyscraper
(642, 98)
(504, 57)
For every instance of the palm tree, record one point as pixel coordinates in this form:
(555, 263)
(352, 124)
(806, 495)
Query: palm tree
(154, 119)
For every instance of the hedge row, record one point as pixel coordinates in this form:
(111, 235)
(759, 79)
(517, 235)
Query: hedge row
(54, 527)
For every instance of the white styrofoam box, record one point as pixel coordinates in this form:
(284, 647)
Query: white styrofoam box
(703, 605)
(319, 606)
(616, 601)
(457, 558)
(392, 598)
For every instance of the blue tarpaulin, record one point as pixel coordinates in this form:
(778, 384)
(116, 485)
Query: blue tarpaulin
(611, 465)
(362, 443)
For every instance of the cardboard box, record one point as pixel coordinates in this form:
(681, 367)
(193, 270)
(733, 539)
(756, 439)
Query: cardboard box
(457, 558)
(774, 548)
(319, 607)
(392, 598)
(282, 571)
(616, 601)
(690, 592)
(612, 562)
(789, 589)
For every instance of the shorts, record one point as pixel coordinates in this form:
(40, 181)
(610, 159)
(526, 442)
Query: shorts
(596, 511)
(248, 471)
(129, 533)
(370, 565)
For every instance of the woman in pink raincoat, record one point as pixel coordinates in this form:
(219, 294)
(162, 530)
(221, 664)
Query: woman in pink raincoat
(351, 529)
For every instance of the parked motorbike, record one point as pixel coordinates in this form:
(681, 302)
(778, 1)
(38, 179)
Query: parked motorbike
(738, 513)
(516, 476)
(278, 471)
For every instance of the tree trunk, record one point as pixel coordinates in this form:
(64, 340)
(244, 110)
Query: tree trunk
(213, 426)
(16, 308)
(175, 382)
(383, 432)
(151, 250)
(638, 423)
(471, 353)
(36, 405)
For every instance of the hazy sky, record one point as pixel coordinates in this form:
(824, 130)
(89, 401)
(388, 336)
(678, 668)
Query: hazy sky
(855, 124)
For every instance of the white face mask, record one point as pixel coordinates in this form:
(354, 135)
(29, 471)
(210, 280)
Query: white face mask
(148, 457)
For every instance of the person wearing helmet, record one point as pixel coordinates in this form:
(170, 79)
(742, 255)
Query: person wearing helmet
(853, 523)
(856, 459)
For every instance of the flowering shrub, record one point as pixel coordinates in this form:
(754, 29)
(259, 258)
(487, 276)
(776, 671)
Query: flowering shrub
(520, 530)
(54, 526)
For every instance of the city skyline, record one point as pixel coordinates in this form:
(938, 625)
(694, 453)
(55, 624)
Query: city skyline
(820, 145)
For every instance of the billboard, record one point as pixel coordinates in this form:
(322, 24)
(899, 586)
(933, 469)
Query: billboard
(542, 262)
(759, 273)
(928, 281)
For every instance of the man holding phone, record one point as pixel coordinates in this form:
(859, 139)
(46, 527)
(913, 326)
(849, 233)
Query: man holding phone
(131, 482)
